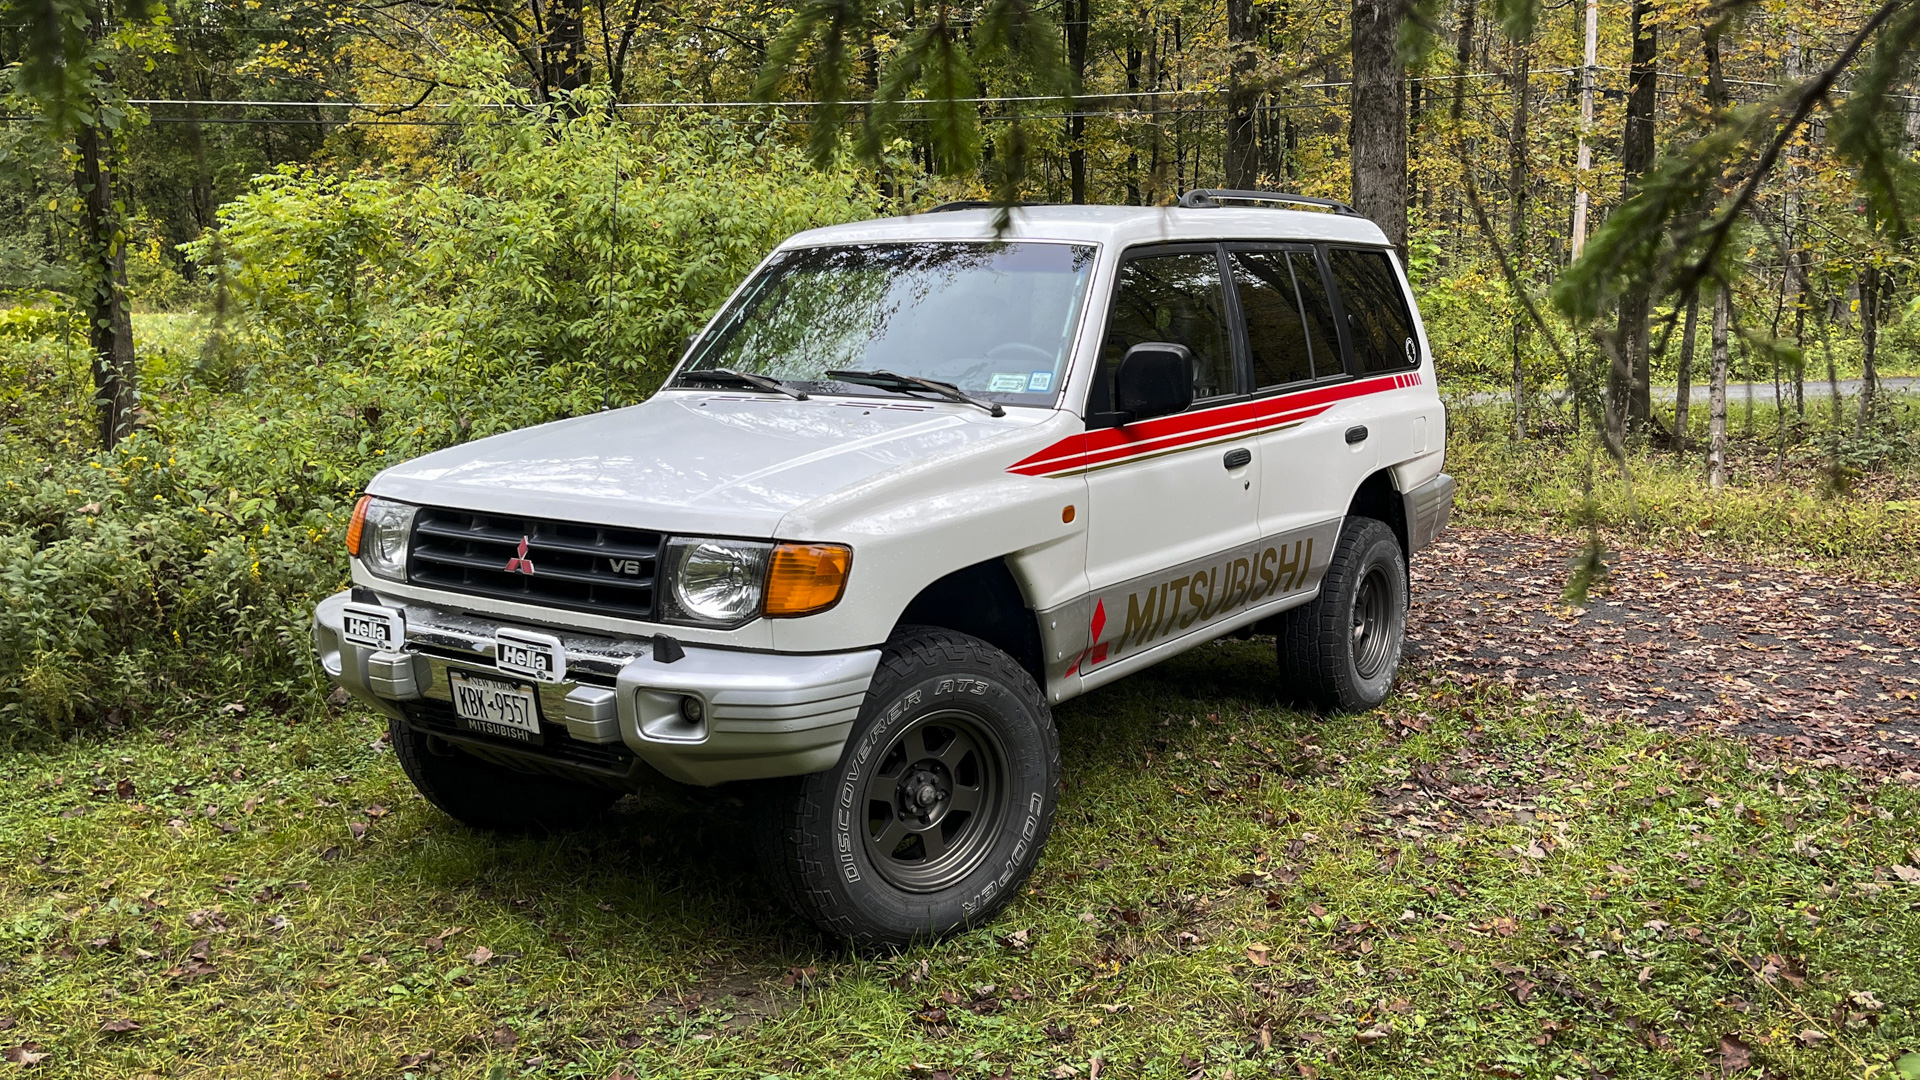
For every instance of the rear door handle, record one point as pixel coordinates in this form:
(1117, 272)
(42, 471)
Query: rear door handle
(1356, 434)
(1238, 458)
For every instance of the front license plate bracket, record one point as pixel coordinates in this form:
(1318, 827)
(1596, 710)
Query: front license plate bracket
(502, 708)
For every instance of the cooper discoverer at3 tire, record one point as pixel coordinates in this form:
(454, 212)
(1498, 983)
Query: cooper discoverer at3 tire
(939, 806)
(1340, 652)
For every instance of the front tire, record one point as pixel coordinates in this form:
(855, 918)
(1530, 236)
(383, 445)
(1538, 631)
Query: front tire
(1340, 652)
(493, 797)
(939, 806)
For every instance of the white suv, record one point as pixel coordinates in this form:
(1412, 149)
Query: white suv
(914, 485)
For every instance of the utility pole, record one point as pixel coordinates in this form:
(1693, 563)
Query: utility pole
(1586, 123)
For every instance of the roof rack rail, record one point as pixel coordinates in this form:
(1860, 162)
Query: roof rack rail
(1207, 198)
(974, 204)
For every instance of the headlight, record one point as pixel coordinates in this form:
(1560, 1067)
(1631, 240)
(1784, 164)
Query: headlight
(715, 582)
(378, 536)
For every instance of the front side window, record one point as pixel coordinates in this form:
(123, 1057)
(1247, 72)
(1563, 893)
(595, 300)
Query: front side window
(1290, 334)
(995, 320)
(1377, 318)
(1172, 298)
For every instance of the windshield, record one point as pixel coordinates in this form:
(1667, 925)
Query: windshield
(993, 319)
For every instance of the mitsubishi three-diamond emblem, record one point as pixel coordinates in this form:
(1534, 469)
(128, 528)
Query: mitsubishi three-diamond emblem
(520, 562)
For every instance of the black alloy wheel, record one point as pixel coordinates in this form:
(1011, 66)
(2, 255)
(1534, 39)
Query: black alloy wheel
(938, 807)
(1373, 624)
(1340, 651)
(935, 802)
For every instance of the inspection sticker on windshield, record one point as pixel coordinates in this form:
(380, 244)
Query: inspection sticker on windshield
(1039, 380)
(372, 626)
(1007, 383)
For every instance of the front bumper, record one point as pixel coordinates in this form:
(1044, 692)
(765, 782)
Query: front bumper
(762, 714)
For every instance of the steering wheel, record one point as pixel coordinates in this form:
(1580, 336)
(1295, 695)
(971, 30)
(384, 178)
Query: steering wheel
(1020, 350)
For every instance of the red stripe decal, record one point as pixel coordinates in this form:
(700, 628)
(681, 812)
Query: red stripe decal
(1108, 446)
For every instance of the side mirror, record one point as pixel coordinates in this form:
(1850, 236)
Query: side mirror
(1155, 379)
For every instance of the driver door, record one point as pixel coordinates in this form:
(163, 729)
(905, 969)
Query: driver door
(1170, 496)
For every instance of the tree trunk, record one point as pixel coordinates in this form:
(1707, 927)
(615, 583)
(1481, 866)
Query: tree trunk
(1243, 147)
(1682, 393)
(563, 52)
(1869, 342)
(1133, 149)
(109, 323)
(1717, 395)
(1636, 157)
(1517, 222)
(1078, 14)
(1379, 130)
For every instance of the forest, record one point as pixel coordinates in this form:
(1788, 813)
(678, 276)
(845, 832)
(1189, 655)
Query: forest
(254, 251)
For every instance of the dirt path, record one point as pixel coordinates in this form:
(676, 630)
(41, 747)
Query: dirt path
(1801, 661)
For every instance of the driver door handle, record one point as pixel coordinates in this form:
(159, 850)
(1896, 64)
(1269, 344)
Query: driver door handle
(1237, 458)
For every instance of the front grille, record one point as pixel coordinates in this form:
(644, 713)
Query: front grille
(564, 565)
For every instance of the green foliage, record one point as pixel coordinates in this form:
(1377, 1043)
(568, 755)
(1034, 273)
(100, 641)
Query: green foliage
(1861, 517)
(367, 320)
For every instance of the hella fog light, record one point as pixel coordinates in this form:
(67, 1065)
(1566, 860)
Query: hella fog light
(385, 530)
(716, 582)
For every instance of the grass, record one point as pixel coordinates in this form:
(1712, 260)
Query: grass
(1860, 516)
(1233, 889)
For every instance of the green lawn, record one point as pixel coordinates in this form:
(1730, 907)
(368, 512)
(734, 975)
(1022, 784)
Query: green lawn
(1233, 889)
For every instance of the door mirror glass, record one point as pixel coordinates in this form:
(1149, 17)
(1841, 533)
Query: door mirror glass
(1155, 379)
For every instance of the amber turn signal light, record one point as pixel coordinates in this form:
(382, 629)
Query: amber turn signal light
(356, 524)
(806, 578)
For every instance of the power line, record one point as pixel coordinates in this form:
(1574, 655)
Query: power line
(396, 106)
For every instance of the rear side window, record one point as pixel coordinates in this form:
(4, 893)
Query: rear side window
(1290, 336)
(1378, 322)
(1172, 298)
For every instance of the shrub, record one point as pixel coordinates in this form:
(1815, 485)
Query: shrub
(359, 321)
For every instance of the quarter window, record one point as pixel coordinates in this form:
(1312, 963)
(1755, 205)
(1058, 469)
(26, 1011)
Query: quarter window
(1290, 335)
(1377, 319)
(1172, 298)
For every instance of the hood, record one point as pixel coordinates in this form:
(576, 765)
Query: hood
(700, 462)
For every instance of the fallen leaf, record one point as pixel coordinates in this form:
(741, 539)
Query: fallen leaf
(629, 1041)
(118, 1027)
(124, 788)
(25, 1054)
(1258, 953)
(1735, 1055)
(408, 1061)
(504, 1038)
(480, 955)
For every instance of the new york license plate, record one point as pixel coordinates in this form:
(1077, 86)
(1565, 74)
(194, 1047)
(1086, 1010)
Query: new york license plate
(509, 710)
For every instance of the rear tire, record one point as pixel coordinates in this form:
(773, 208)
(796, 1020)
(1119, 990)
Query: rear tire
(1341, 652)
(492, 797)
(938, 808)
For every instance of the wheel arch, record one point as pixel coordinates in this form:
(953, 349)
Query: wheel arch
(984, 601)
(1379, 498)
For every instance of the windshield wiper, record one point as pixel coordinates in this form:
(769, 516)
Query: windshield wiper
(907, 384)
(730, 377)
